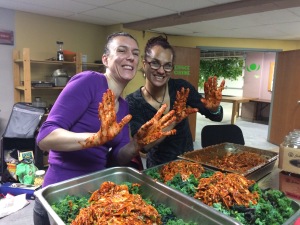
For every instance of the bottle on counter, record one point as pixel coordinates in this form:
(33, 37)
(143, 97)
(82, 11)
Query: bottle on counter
(60, 53)
(39, 177)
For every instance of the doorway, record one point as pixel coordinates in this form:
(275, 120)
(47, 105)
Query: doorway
(254, 82)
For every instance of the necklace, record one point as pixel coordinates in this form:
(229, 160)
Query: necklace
(159, 102)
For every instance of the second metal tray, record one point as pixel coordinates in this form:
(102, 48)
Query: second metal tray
(204, 156)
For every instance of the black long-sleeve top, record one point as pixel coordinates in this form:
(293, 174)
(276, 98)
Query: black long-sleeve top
(173, 145)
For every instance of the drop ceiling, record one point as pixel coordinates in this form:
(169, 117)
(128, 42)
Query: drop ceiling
(257, 19)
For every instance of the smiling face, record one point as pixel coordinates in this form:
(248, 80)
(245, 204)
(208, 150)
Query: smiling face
(158, 55)
(122, 58)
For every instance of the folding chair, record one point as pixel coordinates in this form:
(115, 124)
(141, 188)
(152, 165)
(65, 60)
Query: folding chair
(20, 132)
(217, 134)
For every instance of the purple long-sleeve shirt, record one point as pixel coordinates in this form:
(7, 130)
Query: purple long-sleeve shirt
(76, 110)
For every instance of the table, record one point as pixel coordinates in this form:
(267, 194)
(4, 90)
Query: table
(235, 100)
(260, 106)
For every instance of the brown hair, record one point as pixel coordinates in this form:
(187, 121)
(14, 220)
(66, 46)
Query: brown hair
(158, 41)
(114, 35)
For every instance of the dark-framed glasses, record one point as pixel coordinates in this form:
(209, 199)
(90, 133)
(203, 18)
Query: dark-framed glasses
(168, 67)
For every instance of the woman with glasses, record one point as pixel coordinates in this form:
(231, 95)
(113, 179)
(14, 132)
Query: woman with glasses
(177, 94)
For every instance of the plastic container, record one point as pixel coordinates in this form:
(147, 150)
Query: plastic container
(289, 153)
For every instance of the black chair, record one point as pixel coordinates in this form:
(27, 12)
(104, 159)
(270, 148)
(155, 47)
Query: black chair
(217, 134)
(21, 131)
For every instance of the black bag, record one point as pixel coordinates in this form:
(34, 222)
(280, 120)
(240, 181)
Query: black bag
(20, 132)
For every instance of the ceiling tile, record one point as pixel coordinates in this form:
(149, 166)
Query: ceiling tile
(173, 31)
(273, 17)
(98, 3)
(25, 7)
(92, 19)
(119, 17)
(295, 10)
(66, 5)
(179, 5)
(141, 9)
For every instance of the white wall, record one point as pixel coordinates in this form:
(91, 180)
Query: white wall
(256, 80)
(7, 22)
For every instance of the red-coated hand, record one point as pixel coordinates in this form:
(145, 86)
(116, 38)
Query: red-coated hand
(110, 128)
(153, 129)
(213, 93)
(181, 111)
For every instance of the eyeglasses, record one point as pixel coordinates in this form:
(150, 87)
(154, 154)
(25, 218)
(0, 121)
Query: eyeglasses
(156, 65)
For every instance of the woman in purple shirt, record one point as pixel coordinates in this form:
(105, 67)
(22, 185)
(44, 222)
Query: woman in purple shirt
(74, 121)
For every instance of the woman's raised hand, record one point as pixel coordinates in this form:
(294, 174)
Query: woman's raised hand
(181, 111)
(110, 128)
(213, 93)
(153, 129)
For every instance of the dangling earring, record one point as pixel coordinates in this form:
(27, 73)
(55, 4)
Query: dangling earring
(144, 75)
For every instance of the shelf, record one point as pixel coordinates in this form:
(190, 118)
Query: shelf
(92, 64)
(26, 68)
(47, 88)
(21, 88)
(49, 62)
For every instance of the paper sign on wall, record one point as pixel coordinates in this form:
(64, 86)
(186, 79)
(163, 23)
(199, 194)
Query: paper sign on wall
(6, 37)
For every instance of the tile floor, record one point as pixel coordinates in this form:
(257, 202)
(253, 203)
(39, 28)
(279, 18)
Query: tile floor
(255, 134)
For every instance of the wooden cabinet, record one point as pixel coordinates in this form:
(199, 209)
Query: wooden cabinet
(187, 68)
(27, 71)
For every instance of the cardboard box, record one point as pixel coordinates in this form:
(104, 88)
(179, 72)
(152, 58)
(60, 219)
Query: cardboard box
(289, 159)
(289, 184)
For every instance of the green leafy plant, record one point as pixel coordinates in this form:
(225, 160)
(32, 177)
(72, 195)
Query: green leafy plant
(227, 68)
(68, 208)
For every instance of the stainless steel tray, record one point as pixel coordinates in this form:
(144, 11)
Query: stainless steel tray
(183, 206)
(295, 205)
(204, 155)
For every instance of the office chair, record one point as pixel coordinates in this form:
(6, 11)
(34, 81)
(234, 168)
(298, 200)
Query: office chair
(217, 134)
(21, 131)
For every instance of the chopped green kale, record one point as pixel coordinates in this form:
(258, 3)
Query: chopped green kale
(273, 207)
(68, 208)
(133, 189)
(187, 187)
(154, 173)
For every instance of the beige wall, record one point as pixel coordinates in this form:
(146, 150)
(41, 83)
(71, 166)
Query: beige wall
(40, 34)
